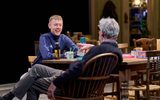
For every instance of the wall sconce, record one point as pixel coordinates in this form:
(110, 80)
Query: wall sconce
(137, 3)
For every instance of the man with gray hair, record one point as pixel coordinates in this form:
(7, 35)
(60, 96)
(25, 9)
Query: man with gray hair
(109, 27)
(108, 31)
(43, 79)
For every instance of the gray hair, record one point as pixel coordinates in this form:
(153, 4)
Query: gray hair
(109, 27)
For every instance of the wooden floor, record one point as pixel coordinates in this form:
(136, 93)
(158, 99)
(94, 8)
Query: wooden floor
(5, 88)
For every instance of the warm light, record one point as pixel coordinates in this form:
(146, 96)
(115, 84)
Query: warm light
(137, 3)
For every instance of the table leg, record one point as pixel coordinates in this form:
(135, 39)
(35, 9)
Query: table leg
(124, 81)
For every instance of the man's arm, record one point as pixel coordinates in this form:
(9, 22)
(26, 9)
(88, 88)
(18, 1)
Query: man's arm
(85, 47)
(45, 48)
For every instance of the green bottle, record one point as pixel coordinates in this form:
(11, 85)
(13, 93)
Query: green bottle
(57, 51)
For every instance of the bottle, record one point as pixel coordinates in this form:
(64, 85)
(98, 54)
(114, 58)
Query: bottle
(57, 51)
(68, 34)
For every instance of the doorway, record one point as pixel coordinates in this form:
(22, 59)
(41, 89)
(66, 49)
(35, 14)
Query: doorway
(138, 19)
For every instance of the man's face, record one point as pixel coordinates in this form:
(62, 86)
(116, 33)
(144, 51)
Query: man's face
(100, 35)
(56, 26)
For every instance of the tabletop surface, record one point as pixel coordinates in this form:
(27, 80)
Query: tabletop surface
(126, 59)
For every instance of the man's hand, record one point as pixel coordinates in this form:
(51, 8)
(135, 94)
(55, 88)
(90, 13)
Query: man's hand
(85, 47)
(51, 90)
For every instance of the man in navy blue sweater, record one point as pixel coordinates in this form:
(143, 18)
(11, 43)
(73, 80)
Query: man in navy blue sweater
(43, 79)
(47, 41)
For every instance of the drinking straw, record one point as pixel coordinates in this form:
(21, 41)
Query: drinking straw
(70, 49)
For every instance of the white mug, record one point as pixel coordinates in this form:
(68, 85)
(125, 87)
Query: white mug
(69, 54)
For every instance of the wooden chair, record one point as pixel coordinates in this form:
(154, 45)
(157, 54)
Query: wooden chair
(148, 82)
(36, 47)
(90, 85)
(123, 47)
(114, 93)
(158, 44)
(31, 59)
(145, 43)
(115, 77)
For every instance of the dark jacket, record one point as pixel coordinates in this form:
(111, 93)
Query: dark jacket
(75, 69)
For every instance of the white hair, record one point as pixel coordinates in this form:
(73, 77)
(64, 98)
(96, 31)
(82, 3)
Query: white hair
(109, 27)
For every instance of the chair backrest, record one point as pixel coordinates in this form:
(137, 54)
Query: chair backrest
(31, 59)
(123, 47)
(158, 44)
(153, 70)
(145, 43)
(90, 85)
(36, 47)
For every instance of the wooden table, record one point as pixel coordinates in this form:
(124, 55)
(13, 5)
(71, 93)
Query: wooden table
(129, 65)
(57, 61)
(62, 64)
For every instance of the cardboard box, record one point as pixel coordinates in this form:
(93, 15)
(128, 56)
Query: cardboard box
(141, 54)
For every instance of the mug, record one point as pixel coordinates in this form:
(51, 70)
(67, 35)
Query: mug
(69, 54)
(82, 40)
